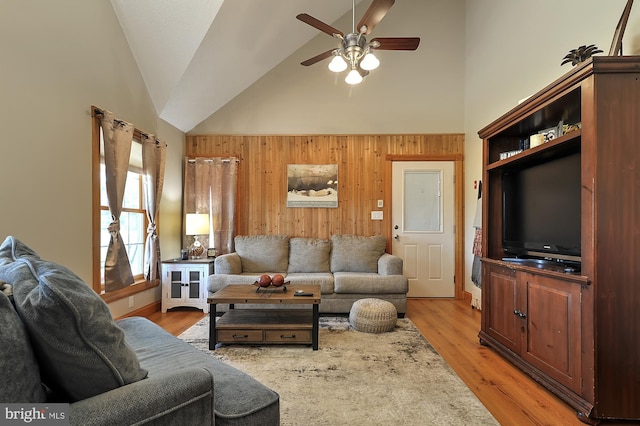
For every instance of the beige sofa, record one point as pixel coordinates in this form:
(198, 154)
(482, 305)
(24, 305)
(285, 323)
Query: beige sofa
(347, 268)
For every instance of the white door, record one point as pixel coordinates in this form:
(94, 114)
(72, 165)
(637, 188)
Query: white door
(423, 225)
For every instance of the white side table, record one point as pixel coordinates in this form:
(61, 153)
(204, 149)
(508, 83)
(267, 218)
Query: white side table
(184, 283)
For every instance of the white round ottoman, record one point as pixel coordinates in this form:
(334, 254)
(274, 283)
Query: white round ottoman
(373, 315)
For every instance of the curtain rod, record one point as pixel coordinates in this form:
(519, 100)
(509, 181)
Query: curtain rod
(98, 111)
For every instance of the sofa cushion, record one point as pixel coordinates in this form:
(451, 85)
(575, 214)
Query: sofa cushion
(351, 253)
(20, 372)
(80, 349)
(309, 255)
(262, 253)
(369, 283)
(323, 279)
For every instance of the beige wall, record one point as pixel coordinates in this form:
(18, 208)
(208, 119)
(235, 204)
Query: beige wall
(411, 92)
(59, 58)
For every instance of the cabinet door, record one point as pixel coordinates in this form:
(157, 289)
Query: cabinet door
(194, 284)
(499, 319)
(175, 283)
(553, 339)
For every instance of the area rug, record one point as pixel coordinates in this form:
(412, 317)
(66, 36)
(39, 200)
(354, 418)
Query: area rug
(356, 378)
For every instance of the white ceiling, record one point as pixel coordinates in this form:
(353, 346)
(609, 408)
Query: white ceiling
(197, 55)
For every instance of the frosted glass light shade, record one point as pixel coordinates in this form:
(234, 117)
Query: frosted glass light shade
(337, 64)
(369, 62)
(197, 224)
(353, 77)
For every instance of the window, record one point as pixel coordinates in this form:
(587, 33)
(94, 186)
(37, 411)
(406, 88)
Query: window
(133, 223)
(133, 218)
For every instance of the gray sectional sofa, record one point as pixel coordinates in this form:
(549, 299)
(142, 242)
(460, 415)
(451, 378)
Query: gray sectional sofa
(60, 345)
(347, 268)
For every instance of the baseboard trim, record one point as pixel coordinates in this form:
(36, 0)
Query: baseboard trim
(144, 311)
(466, 296)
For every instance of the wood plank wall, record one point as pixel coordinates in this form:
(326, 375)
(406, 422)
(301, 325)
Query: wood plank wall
(364, 177)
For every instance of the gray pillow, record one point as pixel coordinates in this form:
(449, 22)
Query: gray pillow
(309, 255)
(350, 253)
(263, 253)
(80, 349)
(20, 372)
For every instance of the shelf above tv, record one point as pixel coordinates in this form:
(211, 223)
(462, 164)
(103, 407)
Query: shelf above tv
(557, 146)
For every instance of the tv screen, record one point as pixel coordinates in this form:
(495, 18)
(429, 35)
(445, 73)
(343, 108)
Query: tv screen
(541, 209)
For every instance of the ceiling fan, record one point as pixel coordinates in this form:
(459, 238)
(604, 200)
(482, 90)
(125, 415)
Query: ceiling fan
(355, 53)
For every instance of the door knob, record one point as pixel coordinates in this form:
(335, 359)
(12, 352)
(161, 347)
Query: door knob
(520, 314)
(396, 237)
(395, 227)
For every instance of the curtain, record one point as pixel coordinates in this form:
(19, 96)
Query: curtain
(117, 136)
(210, 186)
(153, 162)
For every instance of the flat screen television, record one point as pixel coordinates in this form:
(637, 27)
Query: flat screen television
(541, 210)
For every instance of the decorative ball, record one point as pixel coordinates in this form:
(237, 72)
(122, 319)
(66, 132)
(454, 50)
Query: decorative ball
(264, 280)
(277, 280)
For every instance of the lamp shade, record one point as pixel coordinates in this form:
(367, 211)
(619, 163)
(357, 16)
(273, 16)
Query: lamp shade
(197, 224)
(353, 77)
(337, 64)
(369, 62)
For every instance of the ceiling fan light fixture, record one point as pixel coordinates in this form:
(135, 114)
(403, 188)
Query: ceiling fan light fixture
(369, 62)
(338, 64)
(355, 53)
(353, 77)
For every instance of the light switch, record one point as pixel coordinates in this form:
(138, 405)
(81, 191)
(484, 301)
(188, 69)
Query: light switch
(380, 204)
(376, 215)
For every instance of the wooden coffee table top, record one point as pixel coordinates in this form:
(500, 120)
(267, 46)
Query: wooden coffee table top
(246, 293)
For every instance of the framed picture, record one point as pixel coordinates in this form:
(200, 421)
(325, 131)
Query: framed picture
(312, 185)
(211, 252)
(549, 134)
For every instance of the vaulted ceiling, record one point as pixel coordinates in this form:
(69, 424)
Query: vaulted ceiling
(197, 55)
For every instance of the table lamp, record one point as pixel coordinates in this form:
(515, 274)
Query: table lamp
(196, 224)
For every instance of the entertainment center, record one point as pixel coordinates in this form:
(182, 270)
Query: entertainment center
(560, 278)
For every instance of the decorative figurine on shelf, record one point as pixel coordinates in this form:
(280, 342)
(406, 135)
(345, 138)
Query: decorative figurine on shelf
(581, 54)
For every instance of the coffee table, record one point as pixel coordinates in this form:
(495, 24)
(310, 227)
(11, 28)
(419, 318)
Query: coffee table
(265, 326)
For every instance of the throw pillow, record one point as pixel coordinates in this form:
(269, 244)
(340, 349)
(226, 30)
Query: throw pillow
(263, 253)
(20, 372)
(351, 253)
(80, 349)
(309, 255)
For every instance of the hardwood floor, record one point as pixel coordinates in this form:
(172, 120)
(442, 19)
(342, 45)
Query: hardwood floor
(451, 326)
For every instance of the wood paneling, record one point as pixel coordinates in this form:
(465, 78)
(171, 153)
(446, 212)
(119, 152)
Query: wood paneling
(364, 177)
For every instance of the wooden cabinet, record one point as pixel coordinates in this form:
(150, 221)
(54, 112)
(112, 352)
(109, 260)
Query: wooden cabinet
(575, 332)
(537, 318)
(184, 283)
(549, 312)
(498, 319)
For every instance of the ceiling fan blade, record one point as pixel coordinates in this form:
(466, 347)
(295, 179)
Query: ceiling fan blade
(374, 14)
(397, 43)
(318, 58)
(316, 23)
